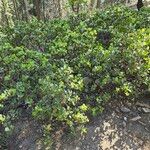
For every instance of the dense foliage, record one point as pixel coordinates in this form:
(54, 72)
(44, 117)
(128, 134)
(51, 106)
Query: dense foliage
(63, 74)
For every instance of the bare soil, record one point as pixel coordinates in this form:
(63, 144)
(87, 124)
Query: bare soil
(115, 129)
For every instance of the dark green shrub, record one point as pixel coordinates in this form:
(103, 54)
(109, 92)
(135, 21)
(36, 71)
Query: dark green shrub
(20, 70)
(50, 89)
(60, 97)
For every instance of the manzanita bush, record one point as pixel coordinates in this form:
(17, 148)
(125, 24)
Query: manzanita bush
(64, 74)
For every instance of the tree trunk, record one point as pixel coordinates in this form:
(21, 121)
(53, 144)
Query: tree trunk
(25, 6)
(16, 9)
(37, 7)
(6, 13)
(53, 9)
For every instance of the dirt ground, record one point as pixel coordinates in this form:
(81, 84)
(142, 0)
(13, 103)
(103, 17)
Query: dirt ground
(119, 127)
(115, 130)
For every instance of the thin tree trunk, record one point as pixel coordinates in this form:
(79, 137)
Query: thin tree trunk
(98, 3)
(37, 8)
(43, 10)
(4, 12)
(7, 16)
(93, 4)
(63, 8)
(25, 6)
(16, 10)
(53, 9)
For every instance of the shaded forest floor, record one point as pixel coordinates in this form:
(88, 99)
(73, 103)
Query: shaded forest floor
(119, 127)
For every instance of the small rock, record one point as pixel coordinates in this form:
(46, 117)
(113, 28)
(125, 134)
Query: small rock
(129, 104)
(142, 123)
(135, 118)
(125, 109)
(88, 147)
(124, 124)
(97, 130)
(139, 109)
(140, 142)
(117, 110)
(93, 138)
(146, 129)
(125, 118)
(142, 105)
(146, 110)
(134, 108)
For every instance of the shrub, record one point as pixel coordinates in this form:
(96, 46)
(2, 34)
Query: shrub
(20, 71)
(64, 74)
(60, 97)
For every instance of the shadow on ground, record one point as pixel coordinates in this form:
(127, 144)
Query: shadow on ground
(119, 127)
